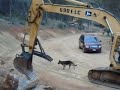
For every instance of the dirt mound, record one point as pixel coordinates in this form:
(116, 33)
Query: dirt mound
(55, 33)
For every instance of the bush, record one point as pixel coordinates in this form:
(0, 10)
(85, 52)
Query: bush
(61, 25)
(98, 25)
(55, 24)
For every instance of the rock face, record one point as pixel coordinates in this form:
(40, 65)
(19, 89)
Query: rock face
(10, 82)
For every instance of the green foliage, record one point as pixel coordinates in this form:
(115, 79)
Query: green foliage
(61, 25)
(17, 10)
(55, 24)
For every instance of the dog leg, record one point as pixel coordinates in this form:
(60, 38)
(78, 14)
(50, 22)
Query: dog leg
(63, 66)
(74, 67)
(69, 66)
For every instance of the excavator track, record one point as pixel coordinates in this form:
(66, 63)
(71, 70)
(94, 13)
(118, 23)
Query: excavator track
(105, 76)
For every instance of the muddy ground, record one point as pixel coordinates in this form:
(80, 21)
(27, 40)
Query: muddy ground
(60, 45)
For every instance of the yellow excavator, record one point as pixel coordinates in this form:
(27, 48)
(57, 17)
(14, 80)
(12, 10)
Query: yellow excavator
(102, 75)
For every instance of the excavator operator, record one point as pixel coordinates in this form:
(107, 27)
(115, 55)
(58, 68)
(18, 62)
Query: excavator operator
(118, 51)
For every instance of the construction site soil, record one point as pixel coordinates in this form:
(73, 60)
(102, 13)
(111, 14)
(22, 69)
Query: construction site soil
(60, 45)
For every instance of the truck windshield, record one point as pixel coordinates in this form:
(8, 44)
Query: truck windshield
(90, 39)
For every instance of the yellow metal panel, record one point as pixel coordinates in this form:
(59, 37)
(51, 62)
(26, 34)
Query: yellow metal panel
(97, 15)
(34, 19)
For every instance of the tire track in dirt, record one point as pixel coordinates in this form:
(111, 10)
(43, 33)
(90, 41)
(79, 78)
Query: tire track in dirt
(66, 48)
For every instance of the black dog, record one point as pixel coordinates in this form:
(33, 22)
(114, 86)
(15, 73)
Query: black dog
(64, 63)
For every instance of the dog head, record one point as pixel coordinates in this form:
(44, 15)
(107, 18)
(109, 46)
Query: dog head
(59, 62)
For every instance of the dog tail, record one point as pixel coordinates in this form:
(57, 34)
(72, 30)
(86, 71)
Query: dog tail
(75, 64)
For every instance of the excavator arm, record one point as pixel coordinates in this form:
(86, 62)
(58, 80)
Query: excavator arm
(23, 62)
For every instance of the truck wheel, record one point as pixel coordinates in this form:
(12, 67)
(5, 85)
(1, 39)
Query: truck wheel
(84, 50)
(80, 47)
(99, 51)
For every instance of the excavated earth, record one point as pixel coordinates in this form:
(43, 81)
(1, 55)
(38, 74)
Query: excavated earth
(61, 45)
